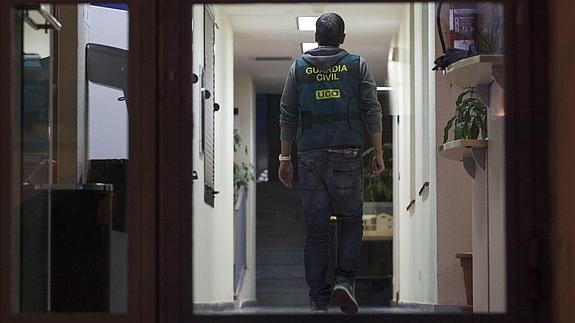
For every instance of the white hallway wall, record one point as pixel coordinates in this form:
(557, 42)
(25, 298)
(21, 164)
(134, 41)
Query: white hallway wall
(245, 122)
(108, 117)
(213, 226)
(415, 234)
(36, 41)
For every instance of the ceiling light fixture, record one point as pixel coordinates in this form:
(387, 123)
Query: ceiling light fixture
(307, 46)
(306, 23)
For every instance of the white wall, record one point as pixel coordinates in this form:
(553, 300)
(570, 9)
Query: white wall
(213, 226)
(108, 117)
(415, 252)
(245, 122)
(36, 41)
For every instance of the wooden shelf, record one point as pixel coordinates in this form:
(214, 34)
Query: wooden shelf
(377, 238)
(472, 71)
(461, 149)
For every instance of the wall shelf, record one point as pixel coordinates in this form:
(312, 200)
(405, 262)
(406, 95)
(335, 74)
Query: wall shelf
(461, 149)
(472, 71)
(470, 151)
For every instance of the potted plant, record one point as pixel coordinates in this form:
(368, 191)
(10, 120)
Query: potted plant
(489, 38)
(470, 118)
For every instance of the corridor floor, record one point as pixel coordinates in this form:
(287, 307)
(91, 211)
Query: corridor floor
(283, 310)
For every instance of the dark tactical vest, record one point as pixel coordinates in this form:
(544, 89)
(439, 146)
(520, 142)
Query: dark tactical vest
(329, 105)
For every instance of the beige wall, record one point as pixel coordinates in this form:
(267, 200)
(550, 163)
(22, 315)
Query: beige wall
(496, 198)
(453, 202)
(213, 226)
(562, 157)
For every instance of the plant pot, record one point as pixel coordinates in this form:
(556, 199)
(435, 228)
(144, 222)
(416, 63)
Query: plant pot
(466, 261)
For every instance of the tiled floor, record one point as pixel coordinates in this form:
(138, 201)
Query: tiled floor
(267, 310)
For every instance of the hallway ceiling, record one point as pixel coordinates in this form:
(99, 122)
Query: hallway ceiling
(270, 31)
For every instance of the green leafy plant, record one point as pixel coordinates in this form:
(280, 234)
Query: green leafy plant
(243, 173)
(489, 38)
(379, 189)
(470, 117)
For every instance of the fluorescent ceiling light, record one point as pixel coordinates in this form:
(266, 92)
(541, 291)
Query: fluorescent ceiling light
(307, 46)
(306, 23)
(384, 88)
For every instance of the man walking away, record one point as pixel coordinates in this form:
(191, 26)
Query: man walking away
(328, 96)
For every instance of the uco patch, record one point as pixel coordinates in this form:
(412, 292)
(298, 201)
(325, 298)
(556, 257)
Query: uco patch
(327, 94)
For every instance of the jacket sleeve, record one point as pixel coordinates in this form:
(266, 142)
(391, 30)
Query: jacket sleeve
(368, 103)
(289, 107)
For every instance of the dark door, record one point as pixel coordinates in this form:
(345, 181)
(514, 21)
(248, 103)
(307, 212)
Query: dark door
(75, 201)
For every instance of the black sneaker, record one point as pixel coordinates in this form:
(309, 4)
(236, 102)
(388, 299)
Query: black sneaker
(318, 308)
(343, 291)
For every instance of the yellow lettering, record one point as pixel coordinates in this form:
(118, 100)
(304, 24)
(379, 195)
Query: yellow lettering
(327, 77)
(327, 94)
(332, 70)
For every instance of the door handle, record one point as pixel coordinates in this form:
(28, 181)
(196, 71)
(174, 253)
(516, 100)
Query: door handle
(425, 185)
(412, 203)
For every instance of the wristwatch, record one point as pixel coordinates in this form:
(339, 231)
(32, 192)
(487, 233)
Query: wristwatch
(284, 158)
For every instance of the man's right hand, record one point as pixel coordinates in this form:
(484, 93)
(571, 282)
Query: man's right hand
(377, 165)
(285, 173)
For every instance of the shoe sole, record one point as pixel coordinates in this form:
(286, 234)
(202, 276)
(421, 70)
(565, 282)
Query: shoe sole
(346, 301)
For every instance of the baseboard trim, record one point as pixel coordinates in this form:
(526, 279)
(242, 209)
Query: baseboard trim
(247, 303)
(428, 307)
(213, 307)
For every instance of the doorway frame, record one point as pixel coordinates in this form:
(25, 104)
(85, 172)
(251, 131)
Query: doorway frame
(162, 81)
(142, 174)
(527, 192)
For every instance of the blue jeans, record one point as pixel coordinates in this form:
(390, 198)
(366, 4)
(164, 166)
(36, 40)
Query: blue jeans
(331, 184)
